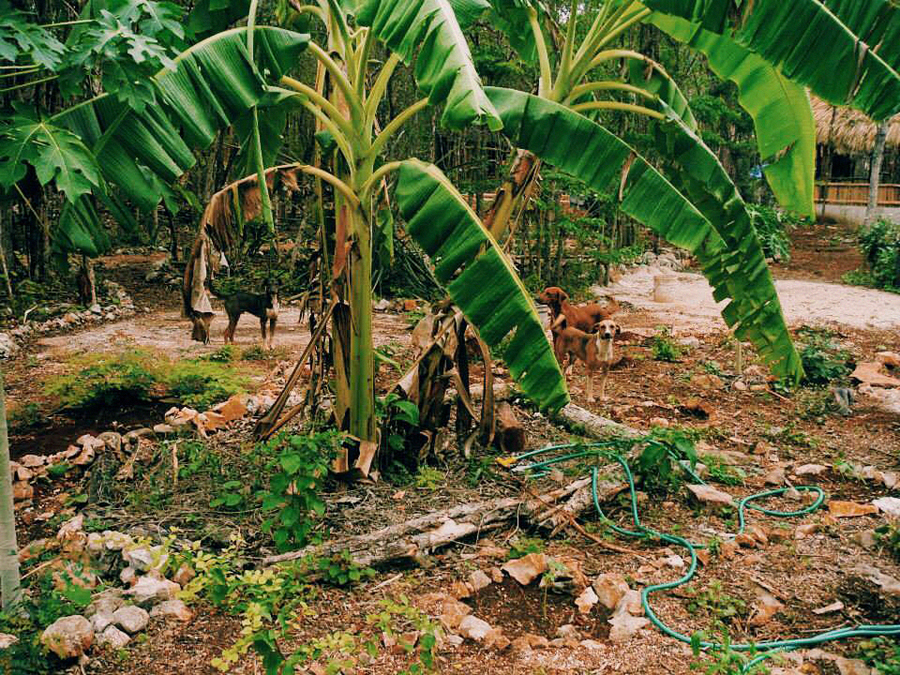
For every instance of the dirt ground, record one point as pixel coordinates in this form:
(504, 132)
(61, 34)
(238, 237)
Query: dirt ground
(752, 431)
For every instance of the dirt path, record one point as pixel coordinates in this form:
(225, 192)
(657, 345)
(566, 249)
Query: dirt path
(804, 302)
(168, 332)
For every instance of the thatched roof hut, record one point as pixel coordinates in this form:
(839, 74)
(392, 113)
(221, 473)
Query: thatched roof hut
(848, 131)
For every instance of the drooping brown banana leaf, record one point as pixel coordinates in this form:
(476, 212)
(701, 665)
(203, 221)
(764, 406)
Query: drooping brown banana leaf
(729, 253)
(846, 51)
(781, 111)
(480, 279)
(428, 31)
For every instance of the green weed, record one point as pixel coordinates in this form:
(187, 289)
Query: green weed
(663, 347)
(881, 653)
(201, 384)
(105, 379)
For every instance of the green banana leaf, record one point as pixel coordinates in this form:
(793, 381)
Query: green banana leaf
(781, 111)
(213, 85)
(846, 51)
(429, 31)
(731, 259)
(653, 79)
(480, 279)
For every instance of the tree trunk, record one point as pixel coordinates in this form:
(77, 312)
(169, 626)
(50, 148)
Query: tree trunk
(10, 591)
(875, 169)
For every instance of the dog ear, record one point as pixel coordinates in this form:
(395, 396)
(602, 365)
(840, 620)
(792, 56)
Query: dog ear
(618, 329)
(562, 295)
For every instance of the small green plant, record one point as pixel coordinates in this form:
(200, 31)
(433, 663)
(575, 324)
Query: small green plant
(340, 570)
(224, 354)
(881, 653)
(27, 416)
(721, 471)
(429, 478)
(229, 495)
(298, 469)
(397, 418)
(724, 660)
(663, 347)
(521, 546)
(888, 537)
(658, 464)
(715, 602)
(201, 384)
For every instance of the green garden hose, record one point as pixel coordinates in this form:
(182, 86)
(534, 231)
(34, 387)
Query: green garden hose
(641, 531)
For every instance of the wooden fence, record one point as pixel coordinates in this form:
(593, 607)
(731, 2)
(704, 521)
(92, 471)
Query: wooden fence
(857, 194)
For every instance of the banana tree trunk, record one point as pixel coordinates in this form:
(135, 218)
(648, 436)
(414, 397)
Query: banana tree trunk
(10, 591)
(362, 361)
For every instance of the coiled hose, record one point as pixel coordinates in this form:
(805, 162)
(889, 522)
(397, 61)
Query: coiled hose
(770, 647)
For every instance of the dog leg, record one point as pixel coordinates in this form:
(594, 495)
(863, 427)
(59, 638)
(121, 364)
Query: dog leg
(229, 332)
(603, 383)
(272, 323)
(262, 330)
(590, 386)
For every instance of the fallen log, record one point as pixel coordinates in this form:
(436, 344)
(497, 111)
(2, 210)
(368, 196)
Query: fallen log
(510, 432)
(414, 538)
(585, 423)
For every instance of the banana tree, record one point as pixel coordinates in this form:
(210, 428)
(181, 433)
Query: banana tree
(693, 202)
(228, 77)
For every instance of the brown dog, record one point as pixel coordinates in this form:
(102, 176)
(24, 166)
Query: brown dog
(582, 317)
(594, 349)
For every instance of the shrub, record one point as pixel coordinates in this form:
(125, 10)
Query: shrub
(201, 384)
(664, 348)
(880, 244)
(99, 380)
(823, 361)
(771, 227)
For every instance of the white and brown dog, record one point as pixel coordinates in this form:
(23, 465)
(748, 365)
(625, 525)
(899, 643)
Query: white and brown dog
(594, 349)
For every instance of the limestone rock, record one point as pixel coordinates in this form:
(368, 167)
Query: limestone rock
(112, 440)
(610, 589)
(107, 601)
(478, 579)
(710, 495)
(100, 620)
(586, 600)
(22, 491)
(131, 618)
(527, 568)
(624, 627)
(152, 589)
(68, 637)
(143, 558)
(7, 640)
(113, 637)
(184, 574)
(452, 612)
(474, 628)
(810, 470)
(173, 608)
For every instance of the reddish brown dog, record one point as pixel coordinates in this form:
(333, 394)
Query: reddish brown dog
(582, 317)
(594, 349)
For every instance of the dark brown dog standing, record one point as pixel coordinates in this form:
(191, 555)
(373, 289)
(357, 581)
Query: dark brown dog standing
(263, 306)
(594, 349)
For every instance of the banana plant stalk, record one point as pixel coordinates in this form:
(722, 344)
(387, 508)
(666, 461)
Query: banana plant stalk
(10, 589)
